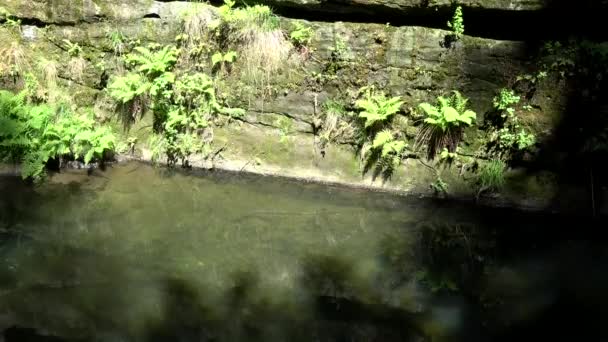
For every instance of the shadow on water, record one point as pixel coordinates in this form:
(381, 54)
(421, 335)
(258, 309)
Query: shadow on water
(529, 292)
(103, 259)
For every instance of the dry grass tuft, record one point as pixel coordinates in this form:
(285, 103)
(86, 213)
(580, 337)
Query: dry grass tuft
(14, 61)
(196, 24)
(76, 68)
(48, 70)
(263, 55)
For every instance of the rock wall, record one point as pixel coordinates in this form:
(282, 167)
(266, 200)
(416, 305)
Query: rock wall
(412, 62)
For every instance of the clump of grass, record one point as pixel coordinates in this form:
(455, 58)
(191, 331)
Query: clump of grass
(263, 54)
(491, 176)
(255, 32)
(335, 126)
(48, 71)
(117, 39)
(196, 23)
(14, 61)
(77, 67)
(250, 19)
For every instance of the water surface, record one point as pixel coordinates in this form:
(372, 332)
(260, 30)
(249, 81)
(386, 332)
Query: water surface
(136, 253)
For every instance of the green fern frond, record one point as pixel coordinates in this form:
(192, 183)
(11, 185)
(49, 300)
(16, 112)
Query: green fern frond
(444, 122)
(382, 138)
(376, 107)
(393, 148)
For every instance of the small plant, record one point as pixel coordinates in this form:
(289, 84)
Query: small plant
(77, 64)
(131, 91)
(73, 49)
(247, 18)
(334, 123)
(301, 35)
(447, 157)
(118, 41)
(340, 48)
(8, 20)
(380, 145)
(510, 139)
(195, 24)
(509, 135)
(77, 67)
(491, 176)
(48, 69)
(285, 126)
(128, 146)
(222, 59)
(439, 186)
(254, 32)
(444, 123)
(533, 78)
(338, 56)
(504, 100)
(376, 108)
(457, 23)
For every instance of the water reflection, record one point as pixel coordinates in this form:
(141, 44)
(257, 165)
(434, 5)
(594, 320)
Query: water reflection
(142, 254)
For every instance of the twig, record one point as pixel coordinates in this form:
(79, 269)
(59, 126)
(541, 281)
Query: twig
(218, 152)
(246, 164)
(430, 167)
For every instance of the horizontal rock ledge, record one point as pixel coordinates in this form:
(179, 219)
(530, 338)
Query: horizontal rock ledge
(496, 19)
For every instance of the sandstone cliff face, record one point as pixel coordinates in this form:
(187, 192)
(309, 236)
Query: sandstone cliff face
(412, 62)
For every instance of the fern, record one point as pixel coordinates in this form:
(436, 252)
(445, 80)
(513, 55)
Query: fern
(386, 152)
(32, 135)
(184, 105)
(376, 108)
(93, 143)
(126, 88)
(382, 138)
(73, 49)
(393, 148)
(444, 123)
(153, 63)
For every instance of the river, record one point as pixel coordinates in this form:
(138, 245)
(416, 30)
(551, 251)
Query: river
(137, 253)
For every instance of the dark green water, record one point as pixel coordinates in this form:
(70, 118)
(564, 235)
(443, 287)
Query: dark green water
(136, 253)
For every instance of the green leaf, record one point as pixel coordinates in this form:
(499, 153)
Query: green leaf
(89, 156)
(230, 56)
(429, 109)
(468, 117)
(450, 114)
(216, 58)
